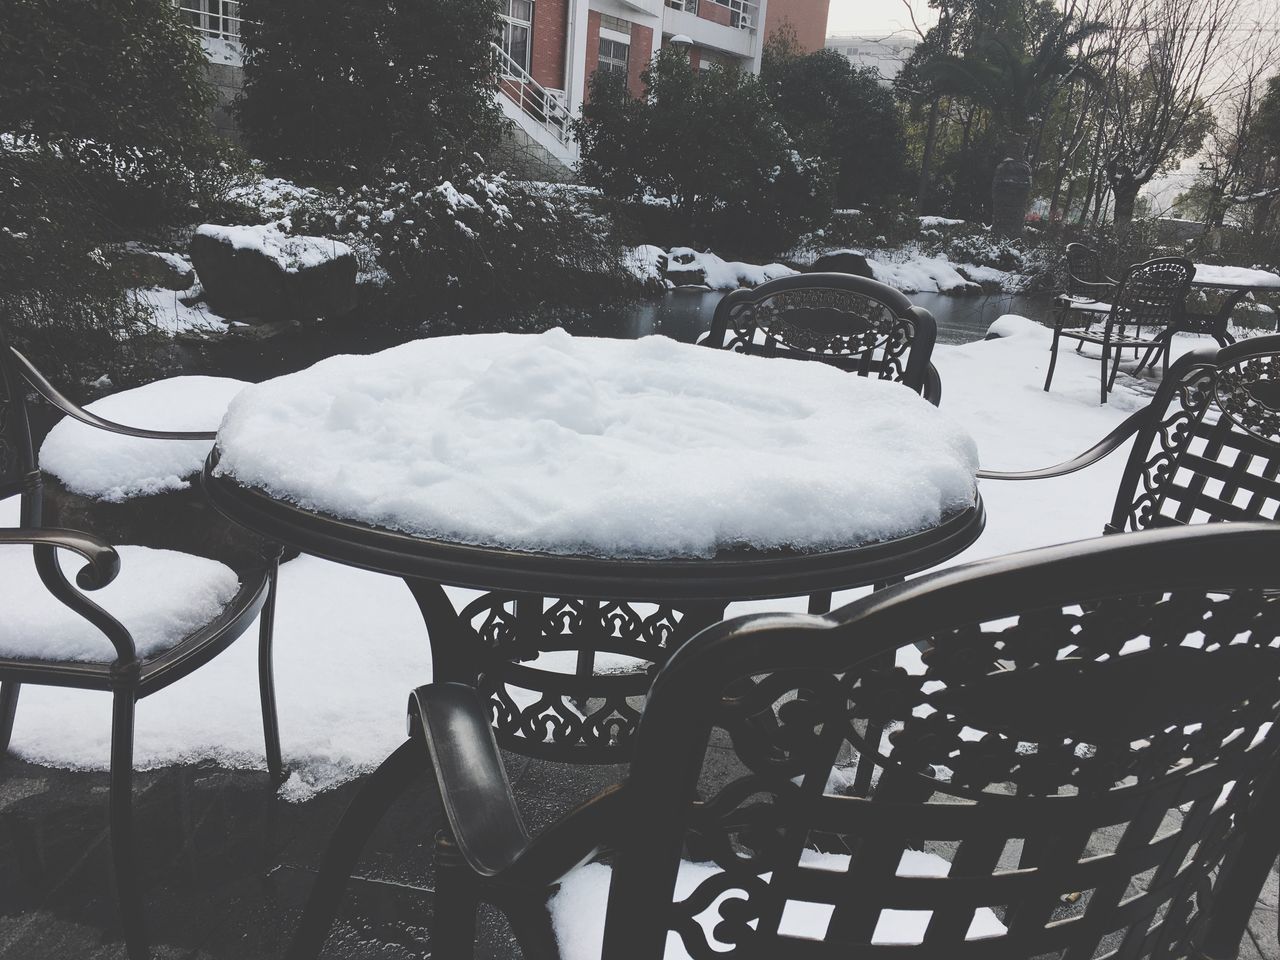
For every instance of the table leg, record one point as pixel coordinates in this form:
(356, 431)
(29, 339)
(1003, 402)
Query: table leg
(452, 658)
(1222, 322)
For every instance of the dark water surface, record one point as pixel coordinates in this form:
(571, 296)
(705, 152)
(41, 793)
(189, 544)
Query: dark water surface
(681, 314)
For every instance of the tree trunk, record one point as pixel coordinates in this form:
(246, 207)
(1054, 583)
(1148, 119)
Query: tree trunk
(1011, 190)
(1126, 196)
(926, 158)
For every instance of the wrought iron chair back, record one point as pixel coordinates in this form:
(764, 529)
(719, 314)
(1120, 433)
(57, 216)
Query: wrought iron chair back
(565, 679)
(854, 323)
(1084, 272)
(1152, 294)
(1209, 444)
(1084, 739)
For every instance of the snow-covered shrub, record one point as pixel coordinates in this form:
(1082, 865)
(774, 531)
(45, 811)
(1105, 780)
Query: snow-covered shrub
(702, 156)
(453, 237)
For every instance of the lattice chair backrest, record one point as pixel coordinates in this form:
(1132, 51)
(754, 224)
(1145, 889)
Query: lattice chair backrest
(566, 679)
(1084, 266)
(1211, 448)
(1076, 751)
(1154, 293)
(854, 323)
(17, 456)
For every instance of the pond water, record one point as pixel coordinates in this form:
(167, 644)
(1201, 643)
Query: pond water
(681, 314)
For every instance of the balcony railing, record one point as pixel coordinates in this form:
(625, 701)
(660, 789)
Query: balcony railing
(212, 19)
(543, 106)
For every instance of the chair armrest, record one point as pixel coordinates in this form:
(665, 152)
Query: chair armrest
(47, 390)
(1101, 286)
(474, 789)
(103, 562)
(1091, 456)
(932, 387)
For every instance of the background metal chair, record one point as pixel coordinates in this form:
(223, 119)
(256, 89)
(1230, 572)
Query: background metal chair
(1206, 448)
(1087, 291)
(119, 667)
(1101, 717)
(854, 323)
(1151, 295)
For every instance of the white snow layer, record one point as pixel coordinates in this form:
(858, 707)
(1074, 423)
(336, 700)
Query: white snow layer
(927, 222)
(647, 448)
(291, 253)
(578, 908)
(160, 596)
(723, 274)
(107, 466)
(1239, 276)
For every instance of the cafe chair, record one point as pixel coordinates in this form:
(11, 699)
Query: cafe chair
(130, 622)
(1089, 291)
(1206, 447)
(850, 322)
(1077, 759)
(1151, 295)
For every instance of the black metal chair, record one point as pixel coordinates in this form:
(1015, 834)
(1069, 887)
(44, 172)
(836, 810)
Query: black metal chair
(1076, 761)
(1088, 289)
(850, 322)
(56, 634)
(1206, 448)
(1150, 295)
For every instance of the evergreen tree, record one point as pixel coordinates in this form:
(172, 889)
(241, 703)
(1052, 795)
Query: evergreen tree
(337, 88)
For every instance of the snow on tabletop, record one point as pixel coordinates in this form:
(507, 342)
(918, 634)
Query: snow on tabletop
(647, 448)
(579, 907)
(1240, 276)
(107, 466)
(290, 252)
(161, 596)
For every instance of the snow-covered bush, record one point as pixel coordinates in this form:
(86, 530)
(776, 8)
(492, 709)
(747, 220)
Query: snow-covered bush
(702, 156)
(452, 237)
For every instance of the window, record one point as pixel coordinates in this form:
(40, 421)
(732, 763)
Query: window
(613, 56)
(517, 24)
(213, 18)
(688, 6)
(617, 24)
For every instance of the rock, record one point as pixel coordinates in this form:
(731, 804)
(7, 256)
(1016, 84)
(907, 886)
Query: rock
(682, 270)
(846, 261)
(149, 268)
(261, 272)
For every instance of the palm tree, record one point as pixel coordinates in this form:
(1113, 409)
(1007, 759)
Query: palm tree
(1017, 80)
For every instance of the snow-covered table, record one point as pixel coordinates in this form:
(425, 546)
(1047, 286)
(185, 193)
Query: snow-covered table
(512, 458)
(1238, 283)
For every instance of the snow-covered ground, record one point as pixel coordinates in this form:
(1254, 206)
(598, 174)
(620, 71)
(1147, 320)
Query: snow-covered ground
(338, 722)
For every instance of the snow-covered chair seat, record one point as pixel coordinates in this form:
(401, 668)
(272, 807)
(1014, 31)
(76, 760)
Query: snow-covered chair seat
(578, 908)
(161, 596)
(114, 467)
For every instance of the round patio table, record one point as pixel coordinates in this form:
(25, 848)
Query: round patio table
(1238, 283)
(561, 645)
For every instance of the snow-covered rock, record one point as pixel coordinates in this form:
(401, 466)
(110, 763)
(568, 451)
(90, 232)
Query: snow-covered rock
(688, 267)
(260, 271)
(107, 466)
(648, 448)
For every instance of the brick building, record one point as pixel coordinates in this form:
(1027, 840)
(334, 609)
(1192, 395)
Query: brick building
(551, 48)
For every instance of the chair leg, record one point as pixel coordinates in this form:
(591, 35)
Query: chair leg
(453, 915)
(397, 773)
(266, 675)
(1115, 369)
(9, 690)
(1244, 877)
(1053, 357)
(128, 888)
(1106, 359)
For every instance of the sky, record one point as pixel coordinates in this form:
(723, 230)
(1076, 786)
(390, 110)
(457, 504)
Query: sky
(875, 16)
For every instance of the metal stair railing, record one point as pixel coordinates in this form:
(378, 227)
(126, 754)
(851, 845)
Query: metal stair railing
(534, 100)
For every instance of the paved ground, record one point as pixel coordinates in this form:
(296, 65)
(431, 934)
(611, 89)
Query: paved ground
(227, 867)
